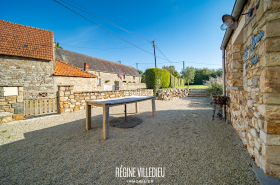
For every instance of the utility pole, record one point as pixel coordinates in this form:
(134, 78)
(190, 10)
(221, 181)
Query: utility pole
(183, 65)
(137, 66)
(155, 53)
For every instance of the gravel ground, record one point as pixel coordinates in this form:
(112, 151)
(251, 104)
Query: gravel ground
(181, 138)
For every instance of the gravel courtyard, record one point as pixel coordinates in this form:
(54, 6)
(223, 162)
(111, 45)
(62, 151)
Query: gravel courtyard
(181, 138)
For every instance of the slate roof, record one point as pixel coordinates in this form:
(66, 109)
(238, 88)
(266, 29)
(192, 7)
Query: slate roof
(25, 41)
(95, 64)
(64, 69)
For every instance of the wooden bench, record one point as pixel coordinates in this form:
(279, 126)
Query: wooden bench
(114, 102)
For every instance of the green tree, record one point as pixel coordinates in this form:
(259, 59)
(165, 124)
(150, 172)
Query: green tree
(188, 75)
(172, 70)
(140, 72)
(58, 46)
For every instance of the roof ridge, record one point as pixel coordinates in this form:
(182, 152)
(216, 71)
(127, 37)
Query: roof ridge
(25, 25)
(97, 58)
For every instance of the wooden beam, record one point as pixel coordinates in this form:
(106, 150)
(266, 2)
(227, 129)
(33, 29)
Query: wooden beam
(105, 122)
(136, 108)
(153, 106)
(88, 116)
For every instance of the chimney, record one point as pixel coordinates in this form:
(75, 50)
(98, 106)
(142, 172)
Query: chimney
(86, 67)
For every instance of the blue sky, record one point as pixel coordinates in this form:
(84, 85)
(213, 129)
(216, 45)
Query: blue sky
(184, 30)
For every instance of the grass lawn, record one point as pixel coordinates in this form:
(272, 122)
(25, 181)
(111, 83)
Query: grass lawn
(193, 87)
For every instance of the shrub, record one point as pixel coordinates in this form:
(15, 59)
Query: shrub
(129, 82)
(153, 78)
(107, 81)
(215, 85)
(165, 79)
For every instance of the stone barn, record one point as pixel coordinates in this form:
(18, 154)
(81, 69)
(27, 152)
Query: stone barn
(108, 73)
(252, 64)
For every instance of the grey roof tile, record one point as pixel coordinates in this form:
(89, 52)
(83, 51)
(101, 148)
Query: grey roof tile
(95, 64)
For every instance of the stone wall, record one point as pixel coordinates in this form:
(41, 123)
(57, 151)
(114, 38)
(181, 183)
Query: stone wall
(70, 100)
(131, 86)
(171, 94)
(80, 84)
(112, 77)
(254, 111)
(34, 75)
(11, 107)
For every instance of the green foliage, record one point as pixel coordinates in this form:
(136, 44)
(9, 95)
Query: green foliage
(172, 70)
(165, 79)
(129, 82)
(4, 131)
(58, 46)
(189, 74)
(140, 72)
(107, 81)
(215, 85)
(153, 78)
(204, 74)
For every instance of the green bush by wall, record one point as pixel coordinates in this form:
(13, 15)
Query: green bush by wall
(165, 78)
(153, 78)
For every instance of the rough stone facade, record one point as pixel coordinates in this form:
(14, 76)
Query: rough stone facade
(70, 100)
(126, 83)
(171, 94)
(254, 111)
(36, 76)
(11, 107)
(79, 83)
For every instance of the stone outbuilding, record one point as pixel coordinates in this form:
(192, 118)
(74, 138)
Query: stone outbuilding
(26, 58)
(252, 66)
(67, 74)
(107, 72)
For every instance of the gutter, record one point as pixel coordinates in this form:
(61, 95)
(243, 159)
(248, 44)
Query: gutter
(237, 9)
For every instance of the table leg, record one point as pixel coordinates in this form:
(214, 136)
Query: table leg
(88, 116)
(125, 114)
(105, 122)
(136, 108)
(153, 106)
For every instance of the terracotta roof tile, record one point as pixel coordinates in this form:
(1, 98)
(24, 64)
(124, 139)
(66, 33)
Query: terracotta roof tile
(25, 41)
(64, 69)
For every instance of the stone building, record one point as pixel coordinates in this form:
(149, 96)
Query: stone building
(67, 74)
(107, 72)
(26, 58)
(252, 68)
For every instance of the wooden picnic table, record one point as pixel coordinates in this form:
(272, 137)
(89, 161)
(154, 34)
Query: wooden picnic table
(114, 102)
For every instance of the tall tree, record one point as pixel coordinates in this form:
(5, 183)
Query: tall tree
(188, 75)
(172, 70)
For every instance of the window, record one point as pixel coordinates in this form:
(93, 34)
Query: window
(133, 77)
(123, 76)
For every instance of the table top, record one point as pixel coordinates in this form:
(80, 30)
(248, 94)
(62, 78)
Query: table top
(117, 101)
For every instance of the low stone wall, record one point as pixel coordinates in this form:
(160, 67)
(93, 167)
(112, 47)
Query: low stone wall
(11, 107)
(172, 94)
(70, 100)
(131, 86)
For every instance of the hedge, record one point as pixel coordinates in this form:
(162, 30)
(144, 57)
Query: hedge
(153, 78)
(156, 78)
(165, 79)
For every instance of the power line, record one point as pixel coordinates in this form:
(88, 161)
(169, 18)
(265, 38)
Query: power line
(102, 27)
(102, 18)
(163, 55)
(106, 29)
(101, 48)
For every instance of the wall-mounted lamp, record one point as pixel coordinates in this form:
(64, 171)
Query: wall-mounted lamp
(231, 22)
